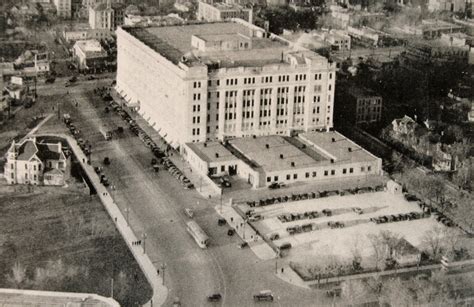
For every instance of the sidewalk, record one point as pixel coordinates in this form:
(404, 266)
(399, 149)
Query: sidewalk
(160, 292)
(259, 247)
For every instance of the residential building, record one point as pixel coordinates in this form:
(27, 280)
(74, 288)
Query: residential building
(433, 51)
(358, 106)
(404, 126)
(261, 161)
(63, 8)
(456, 6)
(89, 54)
(219, 11)
(338, 39)
(343, 17)
(31, 162)
(106, 16)
(200, 82)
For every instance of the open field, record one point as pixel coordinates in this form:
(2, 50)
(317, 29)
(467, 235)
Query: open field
(61, 239)
(323, 242)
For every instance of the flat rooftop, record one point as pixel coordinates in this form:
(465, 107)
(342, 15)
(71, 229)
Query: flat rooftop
(269, 159)
(221, 6)
(212, 152)
(173, 42)
(337, 146)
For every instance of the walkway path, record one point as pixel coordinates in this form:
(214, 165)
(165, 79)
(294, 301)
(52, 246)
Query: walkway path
(160, 292)
(15, 297)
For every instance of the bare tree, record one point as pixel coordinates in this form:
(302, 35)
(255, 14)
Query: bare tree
(432, 242)
(17, 278)
(353, 291)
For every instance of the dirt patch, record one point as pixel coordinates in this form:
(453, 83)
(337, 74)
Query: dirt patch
(62, 240)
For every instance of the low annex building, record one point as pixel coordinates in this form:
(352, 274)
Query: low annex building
(31, 162)
(261, 161)
(89, 54)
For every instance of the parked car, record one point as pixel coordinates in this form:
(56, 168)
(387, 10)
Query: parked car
(357, 210)
(106, 161)
(224, 182)
(264, 295)
(221, 222)
(274, 185)
(230, 232)
(255, 218)
(285, 246)
(274, 236)
(214, 297)
(242, 245)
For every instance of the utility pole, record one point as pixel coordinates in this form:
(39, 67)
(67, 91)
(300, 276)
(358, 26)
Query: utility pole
(163, 268)
(112, 287)
(127, 211)
(144, 241)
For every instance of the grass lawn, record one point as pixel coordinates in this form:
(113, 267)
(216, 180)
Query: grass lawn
(63, 240)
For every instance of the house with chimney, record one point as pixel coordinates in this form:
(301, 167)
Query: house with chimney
(36, 163)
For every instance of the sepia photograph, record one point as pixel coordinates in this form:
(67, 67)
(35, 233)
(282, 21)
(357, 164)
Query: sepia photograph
(236, 153)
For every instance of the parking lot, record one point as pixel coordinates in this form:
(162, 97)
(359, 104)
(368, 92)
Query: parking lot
(333, 225)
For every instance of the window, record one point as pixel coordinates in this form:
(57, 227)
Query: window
(295, 176)
(314, 174)
(330, 76)
(275, 178)
(333, 172)
(288, 177)
(307, 174)
(39, 167)
(222, 168)
(12, 166)
(13, 176)
(369, 168)
(269, 179)
(325, 173)
(34, 177)
(26, 175)
(344, 170)
(26, 166)
(362, 169)
(194, 131)
(351, 170)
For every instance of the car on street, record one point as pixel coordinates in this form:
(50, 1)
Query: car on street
(216, 297)
(230, 232)
(242, 245)
(264, 295)
(221, 222)
(285, 246)
(357, 210)
(255, 218)
(225, 182)
(274, 236)
(189, 212)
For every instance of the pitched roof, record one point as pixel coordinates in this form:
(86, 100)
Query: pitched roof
(49, 151)
(27, 150)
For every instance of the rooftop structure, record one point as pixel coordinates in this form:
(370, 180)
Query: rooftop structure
(152, 21)
(89, 54)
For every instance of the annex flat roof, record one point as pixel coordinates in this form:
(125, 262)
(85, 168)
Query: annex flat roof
(269, 159)
(212, 152)
(337, 147)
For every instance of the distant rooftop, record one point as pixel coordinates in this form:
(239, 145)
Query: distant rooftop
(222, 6)
(174, 42)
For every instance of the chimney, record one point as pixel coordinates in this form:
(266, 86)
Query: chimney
(281, 156)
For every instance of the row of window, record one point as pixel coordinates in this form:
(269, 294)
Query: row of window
(314, 174)
(26, 166)
(264, 79)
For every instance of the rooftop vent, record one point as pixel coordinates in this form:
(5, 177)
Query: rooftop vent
(349, 149)
(293, 164)
(267, 146)
(333, 140)
(254, 136)
(281, 156)
(217, 155)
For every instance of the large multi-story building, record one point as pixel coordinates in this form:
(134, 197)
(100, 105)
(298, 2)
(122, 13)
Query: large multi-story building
(219, 11)
(202, 82)
(106, 15)
(32, 162)
(63, 8)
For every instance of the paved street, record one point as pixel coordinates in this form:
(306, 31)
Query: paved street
(156, 203)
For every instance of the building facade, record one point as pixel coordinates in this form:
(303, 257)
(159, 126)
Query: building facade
(30, 162)
(63, 8)
(358, 106)
(89, 54)
(207, 85)
(106, 15)
(219, 11)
